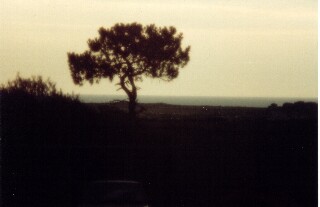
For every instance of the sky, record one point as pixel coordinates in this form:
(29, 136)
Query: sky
(240, 48)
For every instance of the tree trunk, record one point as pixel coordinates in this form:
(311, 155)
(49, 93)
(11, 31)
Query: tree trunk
(132, 94)
(132, 106)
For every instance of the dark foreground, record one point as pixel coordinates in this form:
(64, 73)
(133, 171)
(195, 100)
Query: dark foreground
(184, 156)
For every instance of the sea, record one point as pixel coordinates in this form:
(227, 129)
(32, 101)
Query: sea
(198, 100)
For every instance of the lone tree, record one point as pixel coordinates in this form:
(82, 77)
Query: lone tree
(129, 52)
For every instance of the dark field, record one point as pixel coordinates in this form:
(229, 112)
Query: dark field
(184, 156)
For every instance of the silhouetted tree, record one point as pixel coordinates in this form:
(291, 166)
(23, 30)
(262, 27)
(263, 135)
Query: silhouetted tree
(129, 52)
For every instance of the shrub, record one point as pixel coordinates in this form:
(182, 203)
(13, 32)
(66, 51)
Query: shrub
(34, 86)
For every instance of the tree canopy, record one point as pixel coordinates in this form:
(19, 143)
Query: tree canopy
(129, 52)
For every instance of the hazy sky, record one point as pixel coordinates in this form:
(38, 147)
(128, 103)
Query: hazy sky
(264, 48)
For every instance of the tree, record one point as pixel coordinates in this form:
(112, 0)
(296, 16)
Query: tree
(129, 52)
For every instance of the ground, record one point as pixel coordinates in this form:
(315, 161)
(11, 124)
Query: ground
(184, 155)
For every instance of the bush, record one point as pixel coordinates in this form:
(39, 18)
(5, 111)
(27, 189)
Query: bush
(34, 86)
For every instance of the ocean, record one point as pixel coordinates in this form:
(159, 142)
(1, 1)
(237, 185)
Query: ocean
(198, 100)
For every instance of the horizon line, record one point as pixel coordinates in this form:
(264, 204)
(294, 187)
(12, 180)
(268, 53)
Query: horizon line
(200, 96)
